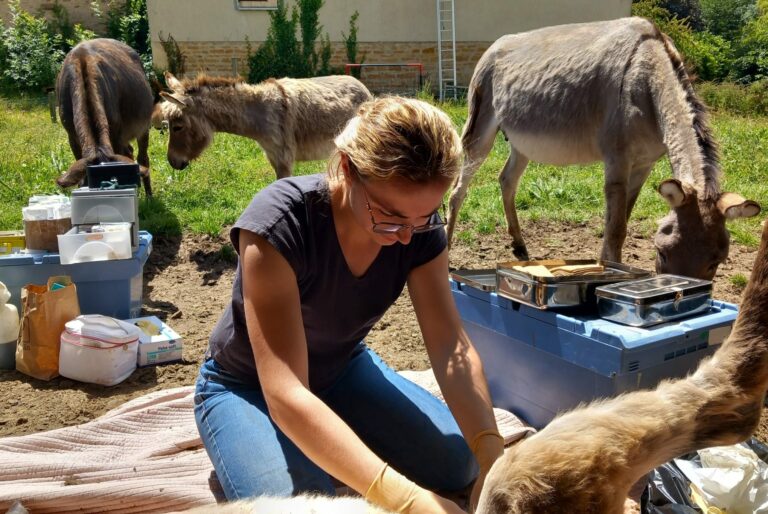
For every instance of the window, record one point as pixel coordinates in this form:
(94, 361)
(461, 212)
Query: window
(255, 5)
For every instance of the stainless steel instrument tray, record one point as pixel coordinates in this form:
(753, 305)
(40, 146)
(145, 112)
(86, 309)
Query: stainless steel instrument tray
(483, 279)
(564, 291)
(645, 302)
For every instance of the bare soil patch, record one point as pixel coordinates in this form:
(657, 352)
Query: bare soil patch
(188, 281)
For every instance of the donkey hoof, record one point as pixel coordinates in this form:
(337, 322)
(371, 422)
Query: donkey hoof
(520, 252)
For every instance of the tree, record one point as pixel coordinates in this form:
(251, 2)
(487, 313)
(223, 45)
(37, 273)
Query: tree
(727, 17)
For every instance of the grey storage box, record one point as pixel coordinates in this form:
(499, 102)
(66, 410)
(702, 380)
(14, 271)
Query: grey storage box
(95, 206)
(640, 303)
(560, 291)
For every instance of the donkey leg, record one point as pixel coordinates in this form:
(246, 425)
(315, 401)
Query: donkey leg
(282, 163)
(143, 160)
(509, 178)
(477, 140)
(616, 196)
(636, 180)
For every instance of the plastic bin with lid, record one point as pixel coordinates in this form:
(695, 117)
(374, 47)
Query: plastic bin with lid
(541, 362)
(112, 288)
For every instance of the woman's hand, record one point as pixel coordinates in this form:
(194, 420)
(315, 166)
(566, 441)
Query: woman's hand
(487, 447)
(396, 493)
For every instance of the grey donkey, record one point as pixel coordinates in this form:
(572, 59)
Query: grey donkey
(292, 119)
(614, 91)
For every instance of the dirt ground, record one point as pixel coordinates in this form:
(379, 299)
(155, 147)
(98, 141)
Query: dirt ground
(188, 281)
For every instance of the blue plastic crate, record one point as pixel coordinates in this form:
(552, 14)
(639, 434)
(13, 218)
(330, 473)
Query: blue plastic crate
(540, 362)
(112, 288)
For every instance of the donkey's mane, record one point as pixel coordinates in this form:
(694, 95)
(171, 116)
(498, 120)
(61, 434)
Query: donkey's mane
(700, 124)
(204, 81)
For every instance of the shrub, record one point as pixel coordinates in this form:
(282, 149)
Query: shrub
(708, 55)
(177, 62)
(726, 17)
(31, 55)
(736, 98)
(282, 54)
(278, 56)
(350, 43)
(751, 63)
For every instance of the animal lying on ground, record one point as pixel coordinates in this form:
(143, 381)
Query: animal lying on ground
(104, 102)
(613, 91)
(292, 119)
(586, 461)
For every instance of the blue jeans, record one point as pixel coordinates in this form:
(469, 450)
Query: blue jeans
(401, 422)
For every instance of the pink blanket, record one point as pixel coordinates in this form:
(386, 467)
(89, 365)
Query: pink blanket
(144, 456)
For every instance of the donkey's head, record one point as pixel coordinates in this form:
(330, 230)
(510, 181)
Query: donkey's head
(692, 239)
(190, 131)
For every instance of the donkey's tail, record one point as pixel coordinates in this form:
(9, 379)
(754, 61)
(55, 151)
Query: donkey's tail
(79, 97)
(682, 118)
(100, 122)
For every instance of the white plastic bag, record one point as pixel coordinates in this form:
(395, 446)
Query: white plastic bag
(98, 349)
(731, 478)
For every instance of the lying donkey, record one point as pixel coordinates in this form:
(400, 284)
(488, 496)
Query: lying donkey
(292, 119)
(587, 460)
(615, 91)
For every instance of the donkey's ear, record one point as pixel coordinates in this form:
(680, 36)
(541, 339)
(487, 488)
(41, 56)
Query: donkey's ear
(734, 206)
(172, 81)
(673, 192)
(175, 98)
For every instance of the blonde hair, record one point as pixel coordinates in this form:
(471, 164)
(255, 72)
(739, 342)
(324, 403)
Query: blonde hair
(394, 137)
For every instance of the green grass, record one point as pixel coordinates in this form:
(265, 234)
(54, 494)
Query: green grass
(215, 189)
(739, 280)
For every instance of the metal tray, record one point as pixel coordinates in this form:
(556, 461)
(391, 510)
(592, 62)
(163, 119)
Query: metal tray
(565, 291)
(645, 302)
(483, 279)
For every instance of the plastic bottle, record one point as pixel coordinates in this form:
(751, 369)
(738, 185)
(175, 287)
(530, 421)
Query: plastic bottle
(9, 329)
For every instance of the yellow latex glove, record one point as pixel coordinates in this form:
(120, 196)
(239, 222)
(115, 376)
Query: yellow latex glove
(394, 492)
(487, 446)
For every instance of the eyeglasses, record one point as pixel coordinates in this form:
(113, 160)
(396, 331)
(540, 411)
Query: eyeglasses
(434, 223)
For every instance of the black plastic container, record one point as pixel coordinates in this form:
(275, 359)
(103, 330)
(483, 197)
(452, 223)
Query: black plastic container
(112, 175)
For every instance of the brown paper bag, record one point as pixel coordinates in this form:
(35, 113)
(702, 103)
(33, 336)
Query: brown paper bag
(43, 315)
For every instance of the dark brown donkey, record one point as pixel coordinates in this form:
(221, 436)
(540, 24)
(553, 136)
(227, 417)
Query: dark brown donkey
(587, 460)
(104, 102)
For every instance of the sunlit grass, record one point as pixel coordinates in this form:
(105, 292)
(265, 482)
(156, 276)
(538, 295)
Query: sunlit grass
(215, 189)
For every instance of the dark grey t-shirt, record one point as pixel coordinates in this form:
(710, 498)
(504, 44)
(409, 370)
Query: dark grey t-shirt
(338, 309)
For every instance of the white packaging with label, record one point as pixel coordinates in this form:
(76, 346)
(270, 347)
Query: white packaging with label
(158, 343)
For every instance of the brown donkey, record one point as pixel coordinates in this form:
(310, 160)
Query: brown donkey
(612, 91)
(292, 119)
(587, 460)
(104, 102)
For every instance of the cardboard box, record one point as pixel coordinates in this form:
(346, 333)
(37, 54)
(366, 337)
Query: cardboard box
(158, 343)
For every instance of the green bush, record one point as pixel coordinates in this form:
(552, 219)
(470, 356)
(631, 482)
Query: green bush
(282, 54)
(279, 55)
(751, 63)
(31, 55)
(350, 43)
(740, 99)
(727, 17)
(708, 55)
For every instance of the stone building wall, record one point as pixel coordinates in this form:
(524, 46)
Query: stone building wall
(228, 57)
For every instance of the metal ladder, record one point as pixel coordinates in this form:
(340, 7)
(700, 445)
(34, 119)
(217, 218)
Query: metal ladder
(446, 48)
